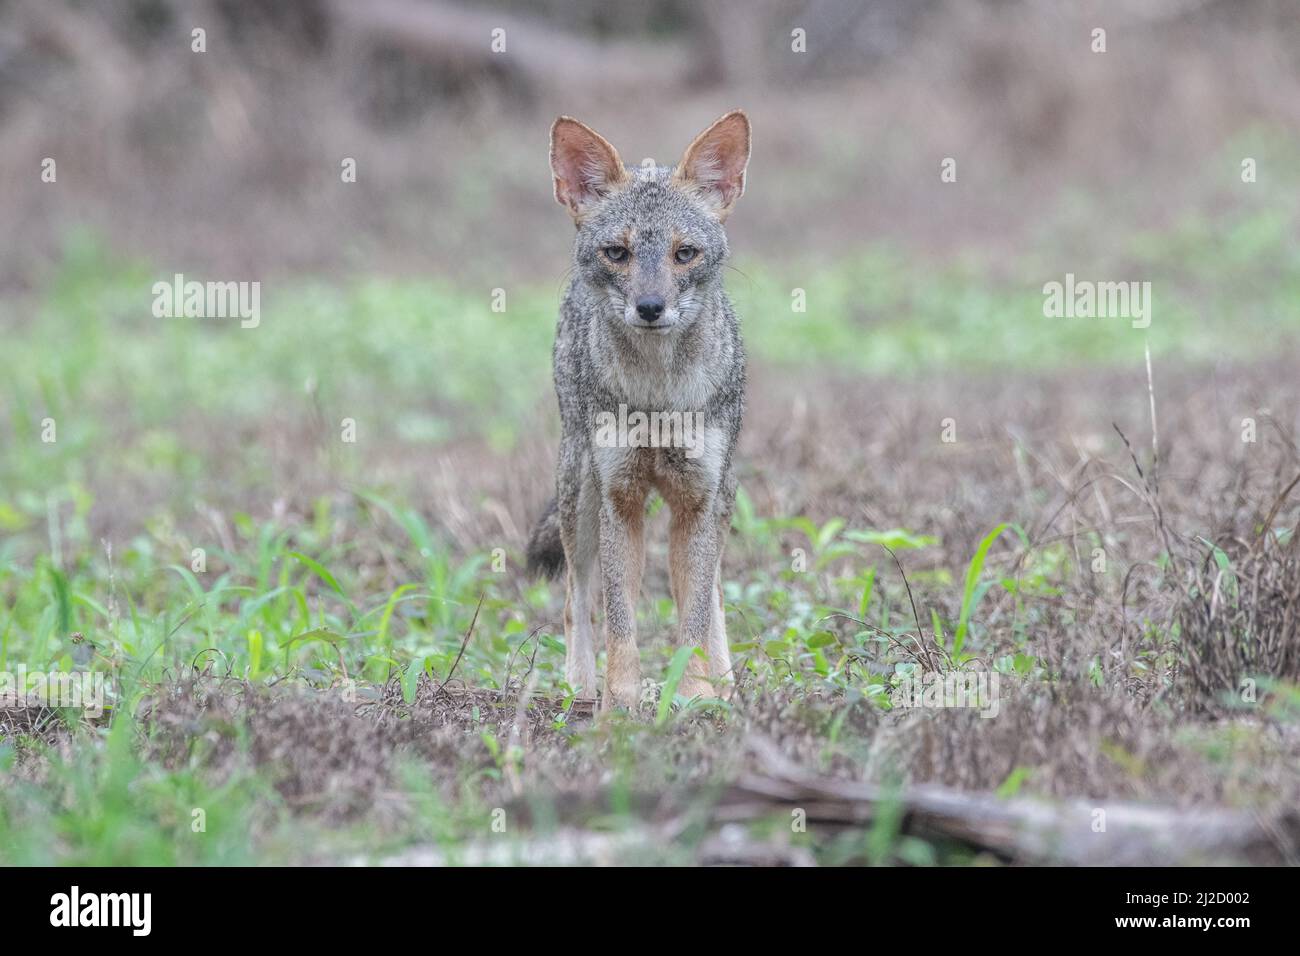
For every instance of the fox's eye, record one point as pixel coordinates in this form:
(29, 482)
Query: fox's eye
(615, 253)
(686, 253)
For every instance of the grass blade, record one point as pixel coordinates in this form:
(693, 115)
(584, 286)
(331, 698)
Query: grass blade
(676, 669)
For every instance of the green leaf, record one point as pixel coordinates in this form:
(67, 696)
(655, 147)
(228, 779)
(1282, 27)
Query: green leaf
(255, 652)
(385, 620)
(321, 634)
(1015, 780)
(319, 570)
(936, 627)
(822, 639)
(676, 668)
(868, 585)
(411, 680)
(896, 539)
(826, 534)
(969, 596)
(63, 601)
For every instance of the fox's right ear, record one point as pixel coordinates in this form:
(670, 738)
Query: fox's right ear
(586, 167)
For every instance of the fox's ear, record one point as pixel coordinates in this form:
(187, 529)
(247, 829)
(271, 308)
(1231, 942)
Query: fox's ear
(585, 166)
(715, 163)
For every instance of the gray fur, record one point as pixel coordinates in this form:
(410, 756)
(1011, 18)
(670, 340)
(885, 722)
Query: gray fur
(604, 358)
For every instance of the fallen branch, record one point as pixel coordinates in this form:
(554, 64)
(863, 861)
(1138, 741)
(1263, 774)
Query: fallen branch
(1019, 831)
(1076, 832)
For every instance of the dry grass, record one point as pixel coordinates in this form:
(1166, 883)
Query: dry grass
(1167, 643)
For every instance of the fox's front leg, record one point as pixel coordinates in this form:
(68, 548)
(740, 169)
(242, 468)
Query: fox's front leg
(578, 503)
(579, 627)
(719, 649)
(720, 670)
(621, 560)
(693, 545)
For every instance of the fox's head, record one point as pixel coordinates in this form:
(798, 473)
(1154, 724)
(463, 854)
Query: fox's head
(650, 237)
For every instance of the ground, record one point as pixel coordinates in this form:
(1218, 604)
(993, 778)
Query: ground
(325, 650)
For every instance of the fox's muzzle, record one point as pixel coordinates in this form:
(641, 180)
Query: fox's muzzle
(650, 308)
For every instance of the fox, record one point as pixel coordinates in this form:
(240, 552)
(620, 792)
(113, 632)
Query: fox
(646, 333)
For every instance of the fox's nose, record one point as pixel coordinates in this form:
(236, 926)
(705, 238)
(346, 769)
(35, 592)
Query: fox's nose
(650, 307)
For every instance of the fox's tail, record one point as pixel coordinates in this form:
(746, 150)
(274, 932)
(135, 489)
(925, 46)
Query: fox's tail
(545, 550)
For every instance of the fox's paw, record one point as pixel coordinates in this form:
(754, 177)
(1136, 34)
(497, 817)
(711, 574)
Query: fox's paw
(615, 699)
(622, 692)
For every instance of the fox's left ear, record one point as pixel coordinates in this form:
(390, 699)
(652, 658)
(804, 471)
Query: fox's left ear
(715, 162)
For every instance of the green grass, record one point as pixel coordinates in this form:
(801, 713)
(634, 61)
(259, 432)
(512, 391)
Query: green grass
(289, 602)
(411, 360)
(358, 585)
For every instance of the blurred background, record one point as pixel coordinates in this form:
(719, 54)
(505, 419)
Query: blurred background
(1133, 141)
(229, 161)
(378, 295)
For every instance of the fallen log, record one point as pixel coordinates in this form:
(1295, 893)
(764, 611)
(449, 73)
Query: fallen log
(1078, 832)
(1075, 832)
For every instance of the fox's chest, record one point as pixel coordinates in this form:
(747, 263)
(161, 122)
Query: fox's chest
(679, 457)
(660, 389)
